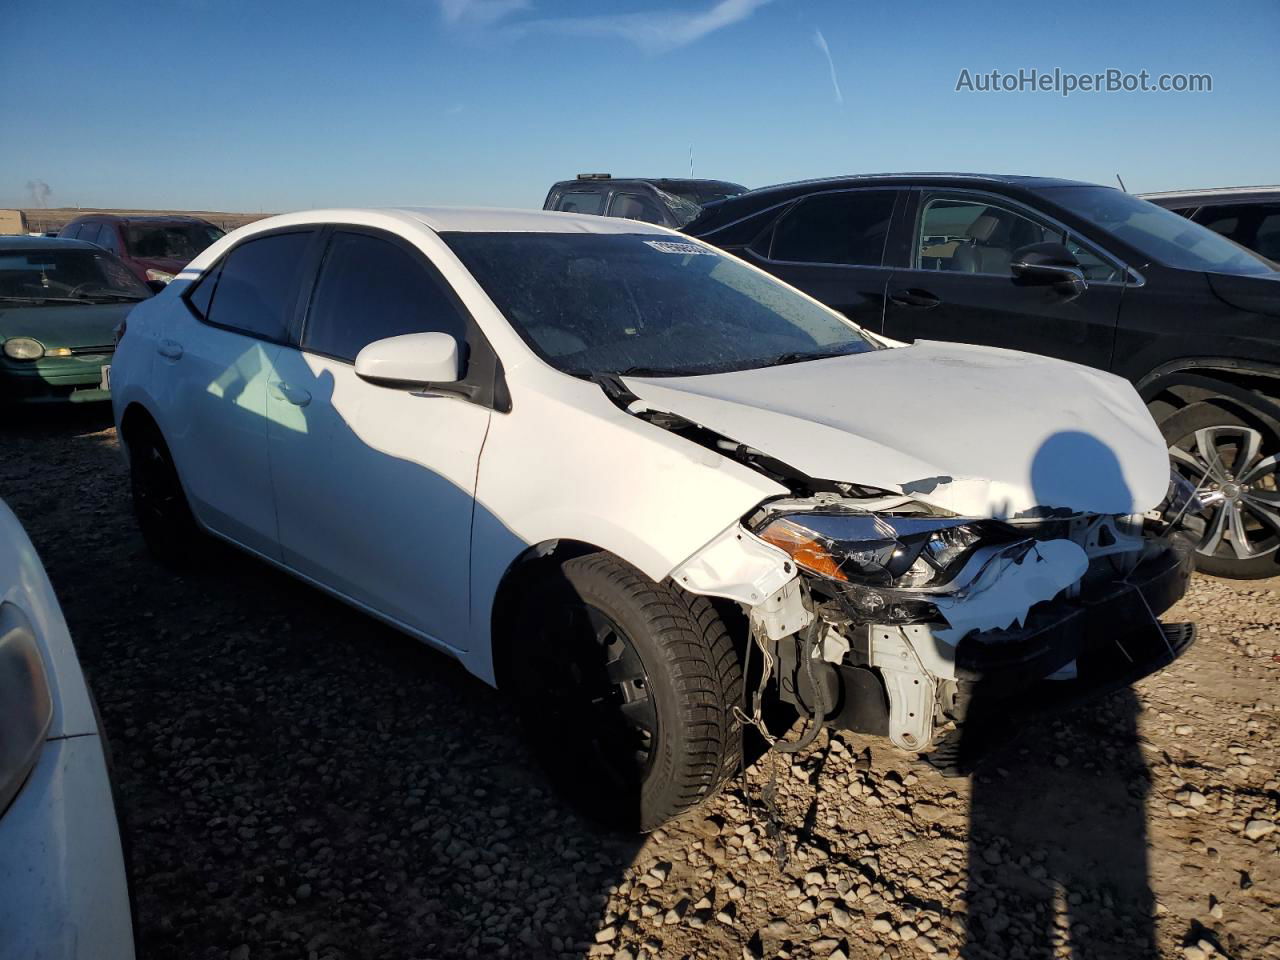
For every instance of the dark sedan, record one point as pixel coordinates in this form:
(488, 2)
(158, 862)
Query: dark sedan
(60, 303)
(1072, 270)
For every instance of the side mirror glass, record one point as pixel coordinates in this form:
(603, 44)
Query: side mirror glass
(1049, 264)
(412, 359)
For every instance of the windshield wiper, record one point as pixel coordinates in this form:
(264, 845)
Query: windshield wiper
(800, 357)
(642, 371)
(109, 298)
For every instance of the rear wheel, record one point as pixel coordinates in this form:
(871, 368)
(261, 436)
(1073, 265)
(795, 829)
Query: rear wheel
(160, 504)
(626, 688)
(1233, 461)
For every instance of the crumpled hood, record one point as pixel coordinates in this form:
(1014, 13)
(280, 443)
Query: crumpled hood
(64, 325)
(1256, 294)
(975, 430)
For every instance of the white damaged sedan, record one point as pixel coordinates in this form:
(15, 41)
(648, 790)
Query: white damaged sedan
(615, 471)
(63, 891)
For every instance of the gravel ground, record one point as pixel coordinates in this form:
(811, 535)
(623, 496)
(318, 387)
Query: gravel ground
(297, 781)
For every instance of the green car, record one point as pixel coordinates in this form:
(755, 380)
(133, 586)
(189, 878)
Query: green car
(60, 304)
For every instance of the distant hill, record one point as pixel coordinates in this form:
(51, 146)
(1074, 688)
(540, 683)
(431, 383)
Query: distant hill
(45, 219)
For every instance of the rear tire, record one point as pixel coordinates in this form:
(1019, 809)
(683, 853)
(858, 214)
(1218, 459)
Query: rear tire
(160, 504)
(626, 688)
(1233, 459)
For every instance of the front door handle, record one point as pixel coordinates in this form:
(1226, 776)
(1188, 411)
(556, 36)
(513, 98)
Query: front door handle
(291, 394)
(169, 349)
(914, 297)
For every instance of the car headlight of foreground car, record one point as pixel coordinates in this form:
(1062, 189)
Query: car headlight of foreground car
(26, 706)
(23, 348)
(878, 557)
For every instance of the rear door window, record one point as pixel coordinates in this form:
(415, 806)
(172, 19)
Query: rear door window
(581, 201)
(372, 288)
(838, 228)
(254, 288)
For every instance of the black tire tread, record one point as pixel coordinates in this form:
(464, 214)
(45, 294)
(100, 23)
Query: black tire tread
(701, 657)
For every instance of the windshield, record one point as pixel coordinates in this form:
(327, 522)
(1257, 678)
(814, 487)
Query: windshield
(647, 305)
(67, 275)
(1160, 234)
(170, 241)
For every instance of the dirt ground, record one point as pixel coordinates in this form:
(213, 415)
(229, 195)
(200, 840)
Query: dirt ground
(297, 781)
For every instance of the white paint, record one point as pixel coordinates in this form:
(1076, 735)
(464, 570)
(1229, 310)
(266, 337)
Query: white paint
(1013, 431)
(737, 565)
(410, 358)
(63, 892)
(414, 508)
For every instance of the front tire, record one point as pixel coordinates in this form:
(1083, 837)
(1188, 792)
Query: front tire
(626, 688)
(1233, 459)
(160, 505)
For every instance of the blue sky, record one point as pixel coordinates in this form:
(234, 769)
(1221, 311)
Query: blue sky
(278, 104)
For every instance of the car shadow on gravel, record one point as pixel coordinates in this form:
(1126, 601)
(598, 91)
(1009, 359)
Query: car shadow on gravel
(295, 779)
(1058, 809)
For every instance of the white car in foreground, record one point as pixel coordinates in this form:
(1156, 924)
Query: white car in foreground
(606, 466)
(63, 892)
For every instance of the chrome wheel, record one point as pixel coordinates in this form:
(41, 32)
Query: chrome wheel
(1236, 512)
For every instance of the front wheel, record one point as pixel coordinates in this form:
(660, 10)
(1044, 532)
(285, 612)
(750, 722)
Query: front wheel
(1233, 462)
(626, 688)
(160, 504)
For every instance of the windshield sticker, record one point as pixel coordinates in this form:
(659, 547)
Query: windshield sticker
(676, 246)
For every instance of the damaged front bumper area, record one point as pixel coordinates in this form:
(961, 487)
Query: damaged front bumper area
(913, 623)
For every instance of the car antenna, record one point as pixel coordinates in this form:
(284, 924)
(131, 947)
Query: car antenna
(1122, 186)
(691, 161)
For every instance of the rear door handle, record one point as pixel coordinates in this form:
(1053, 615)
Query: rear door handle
(914, 297)
(295, 395)
(169, 349)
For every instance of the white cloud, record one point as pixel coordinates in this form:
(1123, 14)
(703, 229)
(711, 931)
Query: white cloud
(821, 42)
(480, 12)
(653, 31)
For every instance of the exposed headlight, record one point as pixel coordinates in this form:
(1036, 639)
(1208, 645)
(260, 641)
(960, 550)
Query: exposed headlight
(26, 707)
(159, 275)
(23, 348)
(872, 549)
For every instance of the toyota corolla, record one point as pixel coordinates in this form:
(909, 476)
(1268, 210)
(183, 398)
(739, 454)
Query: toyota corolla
(614, 471)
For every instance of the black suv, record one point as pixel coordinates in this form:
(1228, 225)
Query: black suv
(662, 200)
(1248, 215)
(1073, 270)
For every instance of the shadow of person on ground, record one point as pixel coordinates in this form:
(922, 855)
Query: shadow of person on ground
(1058, 821)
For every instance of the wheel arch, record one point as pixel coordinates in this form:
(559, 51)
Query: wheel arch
(522, 574)
(1249, 387)
(136, 420)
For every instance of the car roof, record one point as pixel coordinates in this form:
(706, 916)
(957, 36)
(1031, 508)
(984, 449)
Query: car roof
(866, 179)
(1214, 195)
(669, 182)
(44, 243)
(467, 220)
(147, 218)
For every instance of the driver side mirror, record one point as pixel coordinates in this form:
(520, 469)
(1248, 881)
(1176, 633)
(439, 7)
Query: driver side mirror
(1049, 264)
(412, 359)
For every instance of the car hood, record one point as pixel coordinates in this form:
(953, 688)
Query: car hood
(978, 431)
(1255, 294)
(64, 325)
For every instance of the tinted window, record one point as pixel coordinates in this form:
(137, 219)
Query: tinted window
(581, 201)
(635, 206)
(974, 236)
(70, 232)
(108, 238)
(253, 290)
(647, 304)
(848, 228)
(1157, 233)
(67, 275)
(170, 241)
(1267, 237)
(89, 232)
(370, 289)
